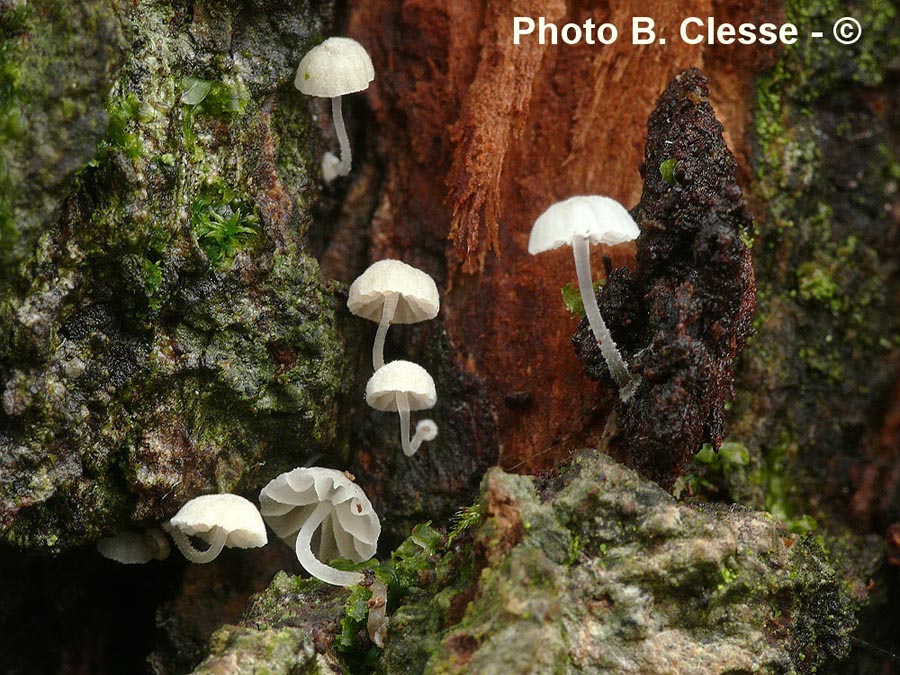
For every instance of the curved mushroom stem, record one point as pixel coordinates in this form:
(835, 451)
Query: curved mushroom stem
(403, 410)
(312, 564)
(426, 430)
(344, 168)
(387, 315)
(216, 544)
(581, 247)
(378, 622)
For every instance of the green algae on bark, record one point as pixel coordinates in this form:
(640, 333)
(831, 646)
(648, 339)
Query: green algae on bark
(166, 333)
(57, 61)
(815, 374)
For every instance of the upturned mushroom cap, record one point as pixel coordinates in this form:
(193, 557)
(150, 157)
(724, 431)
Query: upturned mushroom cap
(418, 294)
(350, 530)
(401, 376)
(237, 516)
(600, 219)
(336, 67)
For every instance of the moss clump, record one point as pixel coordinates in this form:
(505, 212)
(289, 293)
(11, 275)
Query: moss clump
(222, 222)
(122, 112)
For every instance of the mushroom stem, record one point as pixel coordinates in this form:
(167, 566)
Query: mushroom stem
(387, 315)
(218, 536)
(403, 410)
(581, 248)
(312, 564)
(346, 158)
(378, 622)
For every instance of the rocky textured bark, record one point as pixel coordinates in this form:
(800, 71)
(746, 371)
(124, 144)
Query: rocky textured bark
(165, 332)
(598, 570)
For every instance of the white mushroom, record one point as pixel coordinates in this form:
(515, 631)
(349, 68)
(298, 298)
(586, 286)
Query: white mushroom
(219, 520)
(336, 67)
(580, 222)
(390, 291)
(403, 386)
(312, 507)
(135, 548)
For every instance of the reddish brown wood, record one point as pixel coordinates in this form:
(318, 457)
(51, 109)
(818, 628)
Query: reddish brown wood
(479, 136)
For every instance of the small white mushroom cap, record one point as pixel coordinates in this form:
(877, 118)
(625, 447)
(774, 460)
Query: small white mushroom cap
(135, 548)
(336, 67)
(401, 377)
(418, 295)
(600, 219)
(223, 516)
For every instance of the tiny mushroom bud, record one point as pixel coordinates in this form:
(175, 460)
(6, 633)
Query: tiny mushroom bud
(390, 291)
(135, 548)
(336, 67)
(220, 520)
(403, 386)
(298, 503)
(579, 222)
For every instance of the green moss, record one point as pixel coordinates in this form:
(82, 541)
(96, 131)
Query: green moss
(211, 97)
(122, 113)
(215, 97)
(153, 282)
(463, 520)
(814, 283)
(222, 222)
(571, 297)
(358, 655)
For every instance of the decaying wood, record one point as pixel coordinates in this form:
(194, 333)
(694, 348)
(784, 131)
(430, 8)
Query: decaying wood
(467, 143)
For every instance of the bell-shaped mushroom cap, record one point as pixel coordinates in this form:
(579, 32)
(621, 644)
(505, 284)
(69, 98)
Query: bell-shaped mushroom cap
(418, 295)
(351, 528)
(336, 67)
(600, 219)
(401, 377)
(236, 516)
(135, 548)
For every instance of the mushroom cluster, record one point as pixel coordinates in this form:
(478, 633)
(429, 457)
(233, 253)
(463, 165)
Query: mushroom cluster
(390, 291)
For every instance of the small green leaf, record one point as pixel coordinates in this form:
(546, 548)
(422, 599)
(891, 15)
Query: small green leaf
(572, 300)
(194, 90)
(667, 171)
(734, 453)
